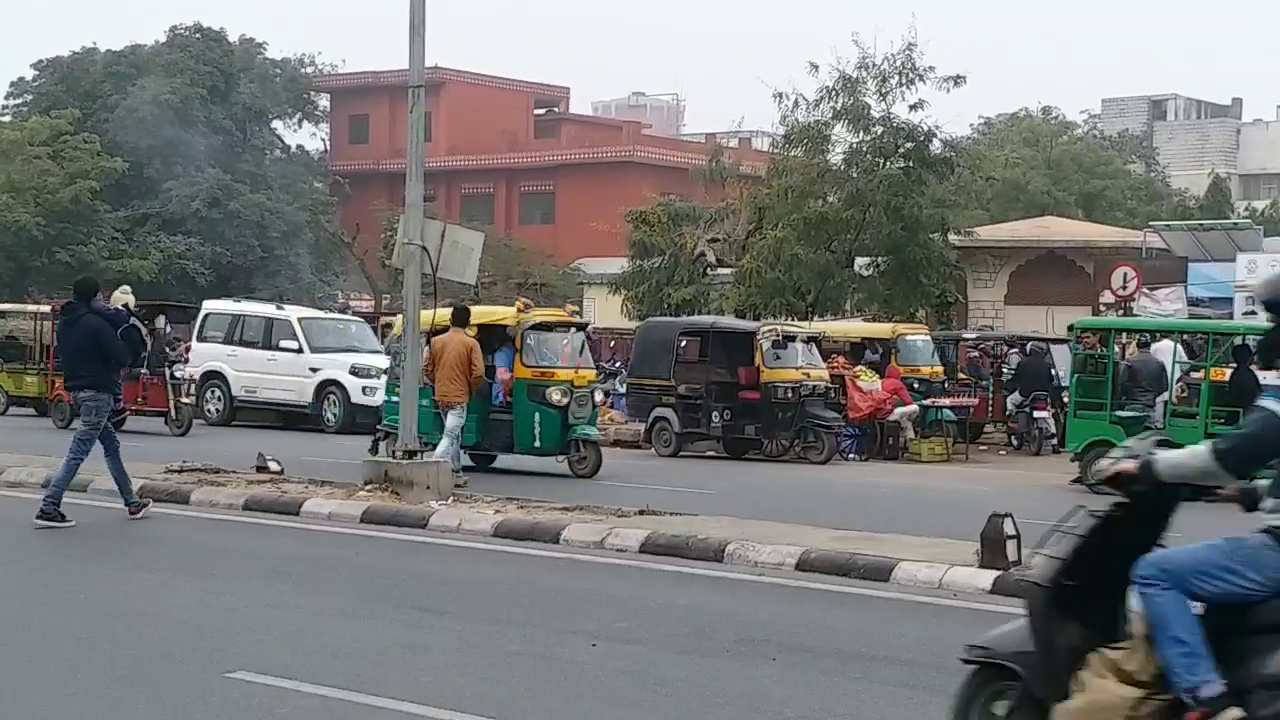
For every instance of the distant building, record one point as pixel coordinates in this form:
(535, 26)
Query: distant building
(505, 154)
(759, 139)
(1194, 138)
(664, 114)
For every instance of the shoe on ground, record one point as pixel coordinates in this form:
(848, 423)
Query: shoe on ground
(461, 481)
(53, 519)
(139, 509)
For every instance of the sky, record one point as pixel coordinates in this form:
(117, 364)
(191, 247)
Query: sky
(725, 58)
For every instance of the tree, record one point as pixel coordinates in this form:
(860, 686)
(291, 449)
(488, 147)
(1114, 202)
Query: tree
(1216, 202)
(214, 198)
(1268, 217)
(1038, 162)
(54, 223)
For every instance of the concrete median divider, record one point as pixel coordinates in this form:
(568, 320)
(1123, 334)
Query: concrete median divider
(931, 563)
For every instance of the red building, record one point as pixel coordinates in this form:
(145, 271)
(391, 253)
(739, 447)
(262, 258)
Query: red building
(506, 154)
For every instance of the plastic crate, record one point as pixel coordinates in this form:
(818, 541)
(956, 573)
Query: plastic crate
(930, 450)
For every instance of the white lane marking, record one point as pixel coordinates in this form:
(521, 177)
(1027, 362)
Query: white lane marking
(351, 696)
(655, 487)
(125, 444)
(333, 460)
(560, 555)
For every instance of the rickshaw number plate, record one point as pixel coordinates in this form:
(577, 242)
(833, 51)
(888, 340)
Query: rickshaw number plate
(579, 381)
(1040, 414)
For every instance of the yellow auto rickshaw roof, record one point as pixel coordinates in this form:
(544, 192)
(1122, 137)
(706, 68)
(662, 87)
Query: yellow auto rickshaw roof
(505, 315)
(855, 329)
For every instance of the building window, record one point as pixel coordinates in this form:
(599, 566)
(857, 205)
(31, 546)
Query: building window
(358, 129)
(477, 210)
(538, 208)
(1270, 189)
(427, 134)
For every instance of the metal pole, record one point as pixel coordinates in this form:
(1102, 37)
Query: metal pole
(414, 210)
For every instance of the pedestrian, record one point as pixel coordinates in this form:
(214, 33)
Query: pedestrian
(123, 316)
(455, 368)
(92, 356)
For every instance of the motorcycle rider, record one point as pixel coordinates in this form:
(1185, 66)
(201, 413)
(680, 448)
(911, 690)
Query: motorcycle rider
(1033, 375)
(1230, 570)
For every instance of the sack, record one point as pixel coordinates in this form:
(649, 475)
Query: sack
(1118, 682)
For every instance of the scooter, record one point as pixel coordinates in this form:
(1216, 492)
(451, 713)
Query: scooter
(1076, 593)
(1032, 424)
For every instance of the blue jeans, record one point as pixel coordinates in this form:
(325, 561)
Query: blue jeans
(451, 440)
(95, 408)
(1232, 570)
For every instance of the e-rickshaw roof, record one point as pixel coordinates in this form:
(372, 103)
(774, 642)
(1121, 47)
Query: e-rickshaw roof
(25, 308)
(999, 336)
(505, 315)
(1166, 325)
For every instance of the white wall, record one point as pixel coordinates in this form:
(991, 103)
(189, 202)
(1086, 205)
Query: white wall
(1043, 318)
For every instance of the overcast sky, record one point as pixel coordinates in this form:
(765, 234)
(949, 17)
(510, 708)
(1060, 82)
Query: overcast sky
(724, 57)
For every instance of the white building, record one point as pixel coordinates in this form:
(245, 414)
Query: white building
(1196, 138)
(663, 113)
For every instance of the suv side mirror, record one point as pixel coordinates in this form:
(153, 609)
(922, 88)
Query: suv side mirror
(292, 346)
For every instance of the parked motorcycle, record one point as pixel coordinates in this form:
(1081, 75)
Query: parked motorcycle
(1076, 593)
(1032, 424)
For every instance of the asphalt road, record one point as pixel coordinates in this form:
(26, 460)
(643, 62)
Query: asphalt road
(938, 500)
(119, 620)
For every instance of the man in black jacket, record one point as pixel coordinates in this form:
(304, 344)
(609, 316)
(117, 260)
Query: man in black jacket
(1143, 379)
(92, 356)
(1033, 375)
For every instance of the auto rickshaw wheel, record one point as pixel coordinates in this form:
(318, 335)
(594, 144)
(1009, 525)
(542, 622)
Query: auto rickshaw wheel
(181, 420)
(41, 408)
(976, 431)
(482, 461)
(663, 438)
(1089, 470)
(5, 402)
(817, 448)
(61, 413)
(736, 447)
(585, 458)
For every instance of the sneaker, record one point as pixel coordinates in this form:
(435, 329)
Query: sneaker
(1218, 708)
(53, 519)
(139, 509)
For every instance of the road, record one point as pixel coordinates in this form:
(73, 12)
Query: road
(119, 620)
(939, 500)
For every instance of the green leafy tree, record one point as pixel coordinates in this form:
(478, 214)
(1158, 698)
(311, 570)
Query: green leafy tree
(1268, 217)
(1216, 202)
(1037, 162)
(54, 223)
(842, 221)
(214, 197)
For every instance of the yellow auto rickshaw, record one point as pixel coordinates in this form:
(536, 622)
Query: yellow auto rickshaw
(906, 346)
(553, 403)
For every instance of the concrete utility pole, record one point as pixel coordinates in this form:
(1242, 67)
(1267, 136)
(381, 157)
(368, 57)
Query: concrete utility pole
(414, 211)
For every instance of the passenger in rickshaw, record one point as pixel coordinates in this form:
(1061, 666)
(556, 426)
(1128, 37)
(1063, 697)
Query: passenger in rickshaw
(1243, 388)
(504, 364)
(974, 366)
(1143, 379)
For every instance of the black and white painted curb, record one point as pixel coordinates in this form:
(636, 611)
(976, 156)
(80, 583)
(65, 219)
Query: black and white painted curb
(587, 535)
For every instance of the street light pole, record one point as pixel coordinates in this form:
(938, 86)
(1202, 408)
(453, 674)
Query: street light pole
(414, 211)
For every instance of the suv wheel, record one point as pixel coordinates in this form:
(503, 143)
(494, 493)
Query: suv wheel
(335, 410)
(215, 403)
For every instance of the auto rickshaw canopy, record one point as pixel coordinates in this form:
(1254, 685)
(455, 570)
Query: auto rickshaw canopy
(506, 315)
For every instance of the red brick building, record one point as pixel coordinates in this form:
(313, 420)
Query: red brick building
(506, 154)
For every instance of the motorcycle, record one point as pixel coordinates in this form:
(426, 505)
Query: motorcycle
(1077, 600)
(1032, 424)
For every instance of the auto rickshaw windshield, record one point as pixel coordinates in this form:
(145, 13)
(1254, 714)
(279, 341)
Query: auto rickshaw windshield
(556, 349)
(784, 352)
(916, 351)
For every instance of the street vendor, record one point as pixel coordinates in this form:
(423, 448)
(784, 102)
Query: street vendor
(907, 410)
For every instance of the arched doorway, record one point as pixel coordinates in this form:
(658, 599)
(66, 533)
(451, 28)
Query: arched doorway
(1047, 293)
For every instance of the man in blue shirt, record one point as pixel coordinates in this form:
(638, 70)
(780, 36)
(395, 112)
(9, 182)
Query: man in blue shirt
(504, 364)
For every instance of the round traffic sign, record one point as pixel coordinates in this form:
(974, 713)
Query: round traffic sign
(1125, 281)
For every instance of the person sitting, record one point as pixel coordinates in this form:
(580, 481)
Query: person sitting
(1243, 388)
(1234, 570)
(907, 410)
(974, 368)
(1143, 379)
(504, 362)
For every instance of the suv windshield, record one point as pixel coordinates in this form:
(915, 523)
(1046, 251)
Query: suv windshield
(550, 349)
(339, 335)
(916, 351)
(795, 354)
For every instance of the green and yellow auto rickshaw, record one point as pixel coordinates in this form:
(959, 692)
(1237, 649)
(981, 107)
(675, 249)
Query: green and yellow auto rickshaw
(553, 403)
(1199, 404)
(26, 356)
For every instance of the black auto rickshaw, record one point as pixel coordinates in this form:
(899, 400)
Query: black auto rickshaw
(753, 387)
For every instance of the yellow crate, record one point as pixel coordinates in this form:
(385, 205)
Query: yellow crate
(930, 450)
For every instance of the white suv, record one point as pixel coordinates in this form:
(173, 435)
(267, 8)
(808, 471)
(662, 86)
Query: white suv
(286, 359)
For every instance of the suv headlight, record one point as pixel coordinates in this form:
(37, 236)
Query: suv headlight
(558, 395)
(365, 372)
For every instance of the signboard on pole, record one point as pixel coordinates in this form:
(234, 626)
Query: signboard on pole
(453, 249)
(1250, 268)
(1125, 282)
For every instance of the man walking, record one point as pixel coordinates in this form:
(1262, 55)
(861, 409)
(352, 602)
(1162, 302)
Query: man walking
(92, 356)
(455, 369)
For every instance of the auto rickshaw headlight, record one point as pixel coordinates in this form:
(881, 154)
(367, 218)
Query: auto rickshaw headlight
(597, 395)
(558, 395)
